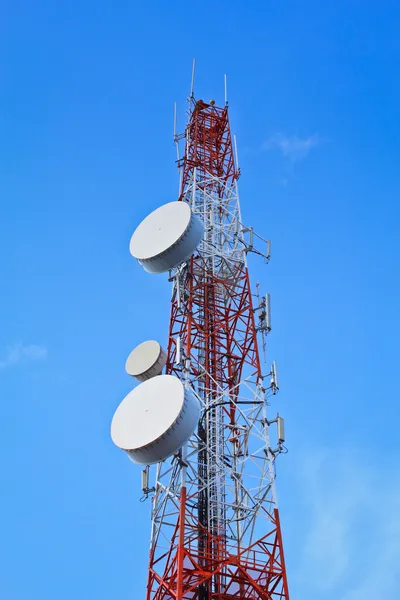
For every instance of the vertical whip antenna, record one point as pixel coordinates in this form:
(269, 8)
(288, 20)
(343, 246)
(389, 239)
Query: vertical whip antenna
(174, 121)
(193, 74)
(176, 140)
(236, 153)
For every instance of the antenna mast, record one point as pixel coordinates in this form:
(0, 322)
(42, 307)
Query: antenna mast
(215, 532)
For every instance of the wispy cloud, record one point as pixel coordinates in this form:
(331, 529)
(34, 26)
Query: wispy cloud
(333, 497)
(19, 352)
(292, 147)
(351, 547)
(381, 574)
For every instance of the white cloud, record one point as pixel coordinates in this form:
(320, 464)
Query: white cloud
(18, 353)
(333, 498)
(381, 577)
(350, 547)
(291, 146)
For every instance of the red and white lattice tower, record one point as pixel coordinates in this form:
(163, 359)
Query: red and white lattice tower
(215, 532)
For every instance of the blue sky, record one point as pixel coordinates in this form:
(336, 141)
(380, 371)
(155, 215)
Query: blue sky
(86, 124)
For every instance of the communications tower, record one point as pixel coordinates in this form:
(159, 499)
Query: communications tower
(200, 413)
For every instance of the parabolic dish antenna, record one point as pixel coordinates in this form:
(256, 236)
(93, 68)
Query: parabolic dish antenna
(155, 419)
(146, 360)
(167, 237)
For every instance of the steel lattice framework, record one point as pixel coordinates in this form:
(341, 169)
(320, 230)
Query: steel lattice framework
(215, 524)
